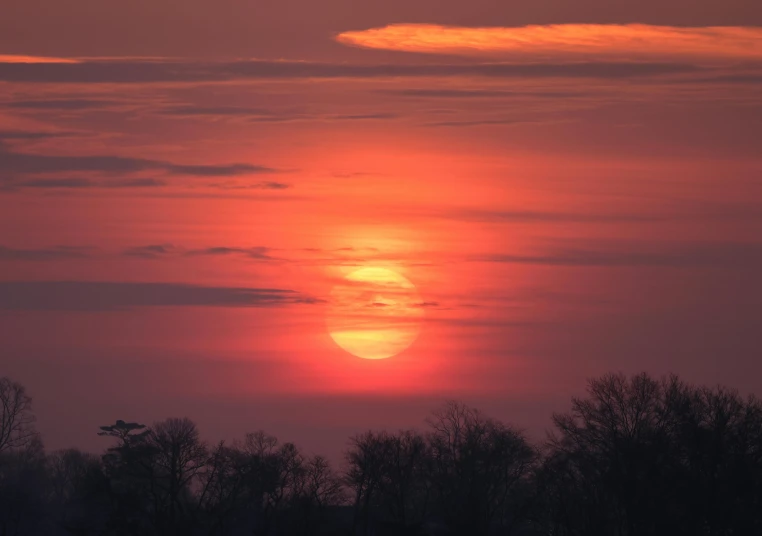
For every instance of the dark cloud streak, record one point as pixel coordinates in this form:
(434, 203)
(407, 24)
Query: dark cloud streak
(43, 254)
(735, 255)
(125, 72)
(22, 169)
(62, 104)
(257, 253)
(18, 162)
(114, 296)
(154, 251)
(426, 93)
(529, 216)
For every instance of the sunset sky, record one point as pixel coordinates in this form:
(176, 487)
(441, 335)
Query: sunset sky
(533, 192)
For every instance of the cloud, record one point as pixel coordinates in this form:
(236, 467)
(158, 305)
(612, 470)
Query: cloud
(225, 170)
(739, 78)
(32, 135)
(735, 255)
(266, 185)
(258, 253)
(81, 183)
(479, 122)
(630, 41)
(427, 93)
(362, 117)
(284, 69)
(353, 249)
(62, 104)
(71, 183)
(18, 164)
(145, 72)
(261, 115)
(43, 254)
(144, 182)
(7, 58)
(286, 117)
(114, 296)
(150, 252)
(66, 183)
(190, 111)
(538, 216)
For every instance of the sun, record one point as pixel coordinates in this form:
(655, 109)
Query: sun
(374, 313)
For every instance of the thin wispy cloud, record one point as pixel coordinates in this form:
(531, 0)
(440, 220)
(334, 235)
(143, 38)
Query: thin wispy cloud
(734, 255)
(115, 296)
(32, 135)
(53, 253)
(481, 93)
(13, 161)
(82, 183)
(186, 72)
(9, 58)
(265, 185)
(38, 170)
(634, 41)
(62, 104)
(257, 253)
(154, 251)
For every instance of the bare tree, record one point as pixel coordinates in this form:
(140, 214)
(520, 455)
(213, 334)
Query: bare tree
(316, 489)
(365, 459)
(480, 470)
(389, 473)
(223, 495)
(23, 491)
(321, 484)
(178, 458)
(78, 492)
(639, 455)
(16, 418)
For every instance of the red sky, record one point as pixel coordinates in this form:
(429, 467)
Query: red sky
(183, 184)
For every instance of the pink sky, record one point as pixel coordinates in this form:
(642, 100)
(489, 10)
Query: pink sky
(179, 197)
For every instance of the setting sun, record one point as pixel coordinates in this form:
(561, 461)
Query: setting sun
(374, 313)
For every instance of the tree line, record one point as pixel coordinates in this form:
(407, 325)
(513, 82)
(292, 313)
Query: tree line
(634, 456)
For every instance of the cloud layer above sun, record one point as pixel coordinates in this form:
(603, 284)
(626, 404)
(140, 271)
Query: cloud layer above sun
(6, 58)
(579, 40)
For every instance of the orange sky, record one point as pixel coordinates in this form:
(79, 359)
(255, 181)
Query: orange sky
(172, 225)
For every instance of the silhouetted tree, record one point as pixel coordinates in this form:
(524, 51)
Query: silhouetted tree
(636, 456)
(16, 418)
(177, 458)
(640, 456)
(79, 492)
(274, 471)
(716, 442)
(223, 499)
(366, 460)
(129, 468)
(388, 474)
(264, 487)
(480, 469)
(24, 491)
(317, 489)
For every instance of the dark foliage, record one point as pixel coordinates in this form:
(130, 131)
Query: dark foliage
(636, 456)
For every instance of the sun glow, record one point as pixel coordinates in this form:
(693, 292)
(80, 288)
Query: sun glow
(374, 313)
